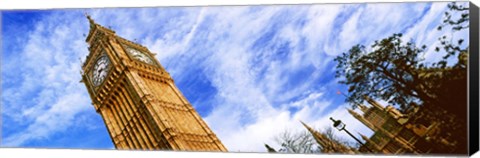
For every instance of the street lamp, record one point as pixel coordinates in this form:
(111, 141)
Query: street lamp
(338, 124)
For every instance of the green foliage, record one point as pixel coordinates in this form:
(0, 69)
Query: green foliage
(457, 17)
(392, 70)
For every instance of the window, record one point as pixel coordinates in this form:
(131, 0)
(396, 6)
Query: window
(392, 147)
(376, 118)
(392, 126)
(406, 134)
(379, 138)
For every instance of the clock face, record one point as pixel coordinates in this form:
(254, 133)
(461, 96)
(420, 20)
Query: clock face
(139, 55)
(100, 70)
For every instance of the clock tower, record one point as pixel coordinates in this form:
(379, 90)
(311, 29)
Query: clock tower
(137, 98)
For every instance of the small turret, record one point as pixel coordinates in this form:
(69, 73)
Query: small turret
(328, 145)
(374, 103)
(270, 149)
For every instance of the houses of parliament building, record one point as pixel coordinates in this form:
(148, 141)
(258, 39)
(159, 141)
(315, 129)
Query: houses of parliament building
(393, 133)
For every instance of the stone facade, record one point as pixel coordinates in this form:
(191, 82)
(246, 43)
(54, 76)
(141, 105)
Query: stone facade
(137, 98)
(393, 132)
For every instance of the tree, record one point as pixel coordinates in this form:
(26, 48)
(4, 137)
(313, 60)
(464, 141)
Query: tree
(392, 70)
(300, 142)
(457, 19)
(458, 22)
(304, 142)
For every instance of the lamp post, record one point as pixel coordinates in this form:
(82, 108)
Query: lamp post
(338, 124)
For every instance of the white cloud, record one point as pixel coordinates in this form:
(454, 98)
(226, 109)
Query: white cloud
(423, 34)
(57, 118)
(45, 97)
(350, 31)
(250, 137)
(167, 47)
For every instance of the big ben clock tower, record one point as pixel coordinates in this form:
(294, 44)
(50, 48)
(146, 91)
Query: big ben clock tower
(138, 100)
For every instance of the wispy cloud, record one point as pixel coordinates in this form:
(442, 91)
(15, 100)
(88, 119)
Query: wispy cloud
(40, 82)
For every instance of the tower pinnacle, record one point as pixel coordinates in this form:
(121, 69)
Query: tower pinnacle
(328, 145)
(92, 22)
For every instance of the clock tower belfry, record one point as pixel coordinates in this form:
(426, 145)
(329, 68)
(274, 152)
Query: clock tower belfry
(137, 98)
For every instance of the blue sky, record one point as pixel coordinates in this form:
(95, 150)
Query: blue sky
(250, 71)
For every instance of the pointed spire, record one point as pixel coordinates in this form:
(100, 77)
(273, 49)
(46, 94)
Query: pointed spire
(92, 23)
(306, 126)
(363, 108)
(96, 30)
(317, 136)
(374, 103)
(362, 119)
(354, 114)
(313, 132)
(363, 136)
(270, 149)
(328, 145)
(92, 26)
(370, 142)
